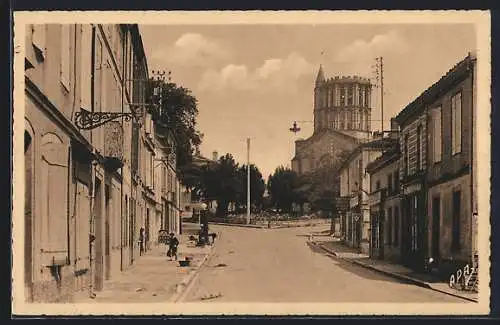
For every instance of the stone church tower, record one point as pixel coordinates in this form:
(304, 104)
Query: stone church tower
(342, 104)
(342, 115)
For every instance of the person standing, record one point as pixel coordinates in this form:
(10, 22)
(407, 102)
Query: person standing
(141, 241)
(172, 246)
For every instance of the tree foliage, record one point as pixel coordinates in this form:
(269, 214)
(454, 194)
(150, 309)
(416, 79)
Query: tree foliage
(257, 186)
(282, 186)
(177, 113)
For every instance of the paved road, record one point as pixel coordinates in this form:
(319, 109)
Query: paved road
(276, 265)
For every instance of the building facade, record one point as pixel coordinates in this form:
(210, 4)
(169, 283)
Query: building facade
(355, 187)
(413, 163)
(452, 195)
(78, 179)
(385, 207)
(342, 113)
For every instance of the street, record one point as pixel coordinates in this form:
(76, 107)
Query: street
(277, 265)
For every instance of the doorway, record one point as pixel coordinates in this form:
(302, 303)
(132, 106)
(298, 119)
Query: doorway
(98, 233)
(436, 226)
(146, 231)
(107, 255)
(381, 240)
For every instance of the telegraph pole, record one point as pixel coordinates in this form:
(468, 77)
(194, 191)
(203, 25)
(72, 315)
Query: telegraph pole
(248, 180)
(382, 91)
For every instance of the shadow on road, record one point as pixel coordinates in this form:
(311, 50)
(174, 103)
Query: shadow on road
(353, 268)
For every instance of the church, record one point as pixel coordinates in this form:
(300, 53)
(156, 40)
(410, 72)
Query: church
(342, 118)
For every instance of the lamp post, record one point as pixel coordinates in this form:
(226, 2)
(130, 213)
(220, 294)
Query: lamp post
(248, 181)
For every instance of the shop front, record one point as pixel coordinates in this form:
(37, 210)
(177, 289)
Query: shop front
(414, 248)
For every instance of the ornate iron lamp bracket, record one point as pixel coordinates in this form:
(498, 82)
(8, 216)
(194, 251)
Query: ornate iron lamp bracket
(87, 120)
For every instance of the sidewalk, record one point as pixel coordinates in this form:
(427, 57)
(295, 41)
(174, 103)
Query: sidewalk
(153, 277)
(394, 270)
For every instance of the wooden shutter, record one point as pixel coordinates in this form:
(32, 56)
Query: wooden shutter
(86, 67)
(82, 227)
(38, 39)
(65, 55)
(54, 196)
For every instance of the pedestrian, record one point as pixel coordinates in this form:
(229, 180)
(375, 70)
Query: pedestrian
(141, 241)
(172, 246)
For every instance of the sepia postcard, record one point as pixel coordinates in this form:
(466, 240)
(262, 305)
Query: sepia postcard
(251, 163)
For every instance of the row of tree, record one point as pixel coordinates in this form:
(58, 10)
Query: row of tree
(319, 188)
(225, 181)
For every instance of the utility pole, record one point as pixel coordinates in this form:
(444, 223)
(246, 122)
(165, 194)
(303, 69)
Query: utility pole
(382, 91)
(248, 180)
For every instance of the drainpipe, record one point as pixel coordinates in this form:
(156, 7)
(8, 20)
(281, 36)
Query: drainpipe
(92, 171)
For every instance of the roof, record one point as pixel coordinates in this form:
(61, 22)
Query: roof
(454, 75)
(321, 133)
(382, 161)
(138, 45)
(377, 144)
(320, 78)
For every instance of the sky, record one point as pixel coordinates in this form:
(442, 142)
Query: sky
(253, 81)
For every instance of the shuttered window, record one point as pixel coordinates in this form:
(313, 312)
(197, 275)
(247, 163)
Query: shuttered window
(65, 55)
(38, 39)
(53, 196)
(85, 67)
(82, 226)
(456, 123)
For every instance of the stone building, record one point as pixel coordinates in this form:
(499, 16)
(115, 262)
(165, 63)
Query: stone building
(355, 187)
(452, 181)
(413, 165)
(79, 219)
(342, 113)
(385, 205)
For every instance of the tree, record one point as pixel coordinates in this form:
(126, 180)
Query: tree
(177, 115)
(221, 182)
(282, 185)
(257, 186)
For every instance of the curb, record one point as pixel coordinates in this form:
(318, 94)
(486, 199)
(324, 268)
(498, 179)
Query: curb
(188, 279)
(404, 278)
(234, 225)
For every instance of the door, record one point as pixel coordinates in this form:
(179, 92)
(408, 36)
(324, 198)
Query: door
(131, 230)
(99, 238)
(107, 256)
(381, 234)
(436, 227)
(146, 231)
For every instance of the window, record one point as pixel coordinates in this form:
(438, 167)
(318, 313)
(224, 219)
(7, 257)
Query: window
(419, 148)
(65, 55)
(377, 185)
(337, 95)
(396, 182)
(38, 40)
(342, 96)
(389, 226)
(366, 98)
(456, 123)
(389, 184)
(350, 95)
(54, 183)
(360, 96)
(455, 239)
(396, 226)
(437, 137)
(406, 156)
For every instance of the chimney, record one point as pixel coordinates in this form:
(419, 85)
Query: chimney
(215, 155)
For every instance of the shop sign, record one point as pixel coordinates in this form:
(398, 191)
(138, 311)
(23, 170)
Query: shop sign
(412, 188)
